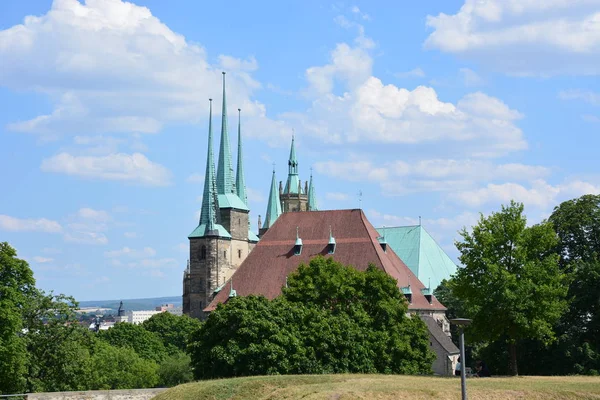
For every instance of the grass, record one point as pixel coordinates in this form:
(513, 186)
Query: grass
(383, 387)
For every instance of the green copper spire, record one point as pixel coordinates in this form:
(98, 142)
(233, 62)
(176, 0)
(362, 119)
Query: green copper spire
(312, 197)
(225, 183)
(240, 183)
(292, 184)
(274, 205)
(208, 215)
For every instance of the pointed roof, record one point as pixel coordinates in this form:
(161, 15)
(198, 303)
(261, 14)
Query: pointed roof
(293, 184)
(224, 169)
(425, 258)
(264, 271)
(274, 204)
(208, 215)
(227, 197)
(312, 197)
(240, 183)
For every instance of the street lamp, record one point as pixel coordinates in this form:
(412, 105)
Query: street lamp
(461, 323)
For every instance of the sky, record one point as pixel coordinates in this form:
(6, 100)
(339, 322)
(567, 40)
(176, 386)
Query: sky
(442, 110)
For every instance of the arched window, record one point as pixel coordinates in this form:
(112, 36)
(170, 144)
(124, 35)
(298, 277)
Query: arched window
(203, 253)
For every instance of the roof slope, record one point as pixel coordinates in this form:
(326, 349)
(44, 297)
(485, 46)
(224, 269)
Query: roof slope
(265, 269)
(425, 258)
(439, 335)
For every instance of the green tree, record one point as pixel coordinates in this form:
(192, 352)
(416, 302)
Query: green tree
(330, 319)
(16, 287)
(173, 330)
(511, 284)
(115, 367)
(175, 370)
(146, 344)
(577, 223)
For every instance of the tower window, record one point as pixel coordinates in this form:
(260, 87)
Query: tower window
(239, 222)
(239, 253)
(203, 253)
(225, 254)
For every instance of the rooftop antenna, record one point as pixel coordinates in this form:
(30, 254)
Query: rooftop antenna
(360, 199)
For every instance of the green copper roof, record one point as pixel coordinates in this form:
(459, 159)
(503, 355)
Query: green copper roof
(240, 183)
(419, 251)
(208, 215)
(273, 206)
(231, 200)
(252, 236)
(292, 185)
(225, 168)
(312, 197)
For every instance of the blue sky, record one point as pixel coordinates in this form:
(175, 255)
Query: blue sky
(440, 109)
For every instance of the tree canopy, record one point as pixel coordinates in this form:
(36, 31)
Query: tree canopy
(511, 284)
(330, 319)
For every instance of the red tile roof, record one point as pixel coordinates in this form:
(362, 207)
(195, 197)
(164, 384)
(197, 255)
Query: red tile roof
(265, 269)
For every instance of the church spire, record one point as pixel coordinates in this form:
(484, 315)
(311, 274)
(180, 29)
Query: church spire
(312, 197)
(209, 214)
(273, 206)
(225, 178)
(240, 183)
(293, 184)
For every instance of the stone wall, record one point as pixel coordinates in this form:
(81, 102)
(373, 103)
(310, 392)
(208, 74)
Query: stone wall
(131, 394)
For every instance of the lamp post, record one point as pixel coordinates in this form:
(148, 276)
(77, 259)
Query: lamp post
(461, 323)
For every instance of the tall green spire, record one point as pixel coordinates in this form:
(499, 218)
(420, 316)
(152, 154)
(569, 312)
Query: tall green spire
(292, 184)
(208, 225)
(240, 183)
(225, 178)
(274, 205)
(312, 197)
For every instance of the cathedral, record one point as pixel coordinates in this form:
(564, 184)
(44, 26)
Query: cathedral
(223, 238)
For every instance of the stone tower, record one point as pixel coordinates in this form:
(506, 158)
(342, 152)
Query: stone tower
(222, 239)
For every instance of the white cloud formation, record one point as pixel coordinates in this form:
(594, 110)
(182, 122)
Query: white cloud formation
(578, 94)
(413, 73)
(471, 78)
(336, 196)
(130, 235)
(41, 260)
(134, 168)
(540, 194)
(532, 37)
(110, 66)
(87, 226)
(131, 253)
(196, 177)
(13, 224)
(81, 237)
(368, 110)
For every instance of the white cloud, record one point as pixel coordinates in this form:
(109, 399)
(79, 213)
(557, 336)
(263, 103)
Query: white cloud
(471, 78)
(368, 110)
(94, 215)
(86, 226)
(352, 170)
(82, 237)
(255, 196)
(413, 73)
(130, 235)
(196, 177)
(112, 67)
(41, 260)
(13, 224)
(578, 94)
(540, 194)
(336, 196)
(533, 37)
(131, 253)
(135, 168)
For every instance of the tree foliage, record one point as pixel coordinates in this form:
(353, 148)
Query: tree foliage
(145, 343)
(330, 319)
(511, 285)
(173, 330)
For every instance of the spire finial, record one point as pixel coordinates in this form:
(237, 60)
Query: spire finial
(419, 220)
(240, 181)
(360, 199)
(297, 236)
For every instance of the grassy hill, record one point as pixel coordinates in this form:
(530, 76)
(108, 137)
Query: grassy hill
(133, 304)
(383, 387)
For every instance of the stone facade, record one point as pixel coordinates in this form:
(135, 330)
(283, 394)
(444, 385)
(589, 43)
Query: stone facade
(291, 202)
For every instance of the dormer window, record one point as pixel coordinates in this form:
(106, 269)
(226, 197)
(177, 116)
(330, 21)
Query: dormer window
(407, 292)
(331, 244)
(298, 244)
